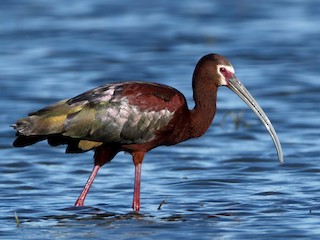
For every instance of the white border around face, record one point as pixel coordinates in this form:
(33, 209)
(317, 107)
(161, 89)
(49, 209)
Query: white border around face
(229, 68)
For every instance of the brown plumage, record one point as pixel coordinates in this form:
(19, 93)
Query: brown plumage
(134, 117)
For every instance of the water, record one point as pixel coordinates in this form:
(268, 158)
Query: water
(225, 185)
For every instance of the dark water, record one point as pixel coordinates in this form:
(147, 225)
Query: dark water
(225, 185)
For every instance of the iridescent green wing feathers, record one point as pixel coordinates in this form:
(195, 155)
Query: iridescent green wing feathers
(101, 115)
(49, 123)
(49, 120)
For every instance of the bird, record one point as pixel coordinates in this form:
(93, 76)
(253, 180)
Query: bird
(135, 117)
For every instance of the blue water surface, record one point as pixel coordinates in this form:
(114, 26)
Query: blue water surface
(227, 184)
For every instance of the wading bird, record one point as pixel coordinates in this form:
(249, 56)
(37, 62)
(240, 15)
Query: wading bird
(135, 117)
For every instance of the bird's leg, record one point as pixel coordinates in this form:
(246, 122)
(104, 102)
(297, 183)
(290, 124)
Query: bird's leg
(82, 197)
(101, 156)
(136, 194)
(137, 160)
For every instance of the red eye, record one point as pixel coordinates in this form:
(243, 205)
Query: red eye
(223, 70)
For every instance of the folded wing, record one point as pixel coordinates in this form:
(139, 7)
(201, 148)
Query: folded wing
(122, 113)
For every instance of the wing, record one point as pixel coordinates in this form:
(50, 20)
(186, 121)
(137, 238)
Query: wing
(121, 113)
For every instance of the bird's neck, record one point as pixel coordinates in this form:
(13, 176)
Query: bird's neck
(204, 110)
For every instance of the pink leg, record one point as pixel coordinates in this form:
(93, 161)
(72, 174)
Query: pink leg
(137, 160)
(136, 194)
(82, 197)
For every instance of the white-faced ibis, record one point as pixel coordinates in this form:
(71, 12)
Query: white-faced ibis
(135, 117)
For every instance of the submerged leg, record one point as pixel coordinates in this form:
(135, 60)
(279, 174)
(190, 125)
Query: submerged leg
(137, 159)
(101, 156)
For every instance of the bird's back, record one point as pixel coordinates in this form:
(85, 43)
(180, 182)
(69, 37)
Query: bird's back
(120, 113)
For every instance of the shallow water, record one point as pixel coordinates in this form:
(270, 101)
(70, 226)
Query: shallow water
(225, 185)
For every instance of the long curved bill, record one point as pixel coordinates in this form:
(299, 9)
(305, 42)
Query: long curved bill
(236, 86)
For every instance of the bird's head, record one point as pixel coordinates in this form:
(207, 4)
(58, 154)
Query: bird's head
(222, 73)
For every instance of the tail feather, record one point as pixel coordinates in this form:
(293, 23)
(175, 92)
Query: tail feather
(50, 123)
(23, 126)
(49, 120)
(22, 141)
(73, 145)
